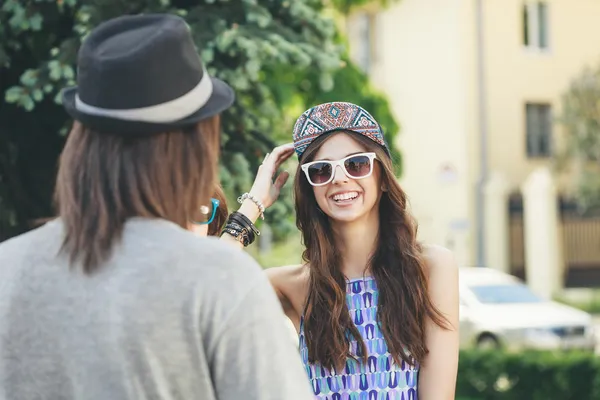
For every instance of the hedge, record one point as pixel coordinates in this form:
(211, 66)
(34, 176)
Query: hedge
(530, 375)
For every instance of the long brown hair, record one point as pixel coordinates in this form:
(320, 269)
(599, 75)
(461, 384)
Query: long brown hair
(104, 179)
(397, 265)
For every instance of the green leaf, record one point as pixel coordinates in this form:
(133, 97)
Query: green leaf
(24, 25)
(27, 102)
(208, 55)
(36, 22)
(4, 58)
(58, 98)
(68, 72)
(13, 94)
(326, 82)
(10, 6)
(260, 16)
(226, 39)
(253, 68)
(29, 77)
(38, 95)
(55, 70)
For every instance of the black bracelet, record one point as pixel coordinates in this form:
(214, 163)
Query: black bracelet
(243, 221)
(240, 227)
(247, 232)
(241, 234)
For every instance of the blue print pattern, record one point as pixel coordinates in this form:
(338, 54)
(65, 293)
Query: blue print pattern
(380, 378)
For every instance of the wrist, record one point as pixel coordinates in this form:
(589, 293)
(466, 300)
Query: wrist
(258, 204)
(250, 210)
(253, 195)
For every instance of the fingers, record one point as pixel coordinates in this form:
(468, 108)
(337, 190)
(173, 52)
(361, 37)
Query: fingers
(284, 147)
(285, 150)
(280, 154)
(281, 180)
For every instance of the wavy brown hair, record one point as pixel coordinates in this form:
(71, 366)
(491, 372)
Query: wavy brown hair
(105, 179)
(397, 265)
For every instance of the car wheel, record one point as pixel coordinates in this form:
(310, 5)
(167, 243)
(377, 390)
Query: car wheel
(488, 342)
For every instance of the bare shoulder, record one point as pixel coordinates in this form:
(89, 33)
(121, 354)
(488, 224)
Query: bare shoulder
(291, 285)
(289, 275)
(439, 261)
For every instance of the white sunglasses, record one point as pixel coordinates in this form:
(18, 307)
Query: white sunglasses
(356, 166)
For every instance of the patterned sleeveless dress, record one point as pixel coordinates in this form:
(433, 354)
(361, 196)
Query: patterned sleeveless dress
(380, 378)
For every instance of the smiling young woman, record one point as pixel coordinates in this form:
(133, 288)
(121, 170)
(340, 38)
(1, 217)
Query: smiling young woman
(376, 311)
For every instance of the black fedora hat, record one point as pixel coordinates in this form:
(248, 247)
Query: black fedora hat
(141, 74)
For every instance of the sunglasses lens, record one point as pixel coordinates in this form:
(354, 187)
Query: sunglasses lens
(358, 166)
(319, 173)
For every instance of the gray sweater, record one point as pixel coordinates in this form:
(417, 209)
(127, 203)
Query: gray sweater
(170, 316)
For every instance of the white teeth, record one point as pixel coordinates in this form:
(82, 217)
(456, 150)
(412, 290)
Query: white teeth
(345, 196)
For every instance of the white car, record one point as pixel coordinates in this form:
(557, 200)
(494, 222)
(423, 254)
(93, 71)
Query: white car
(498, 310)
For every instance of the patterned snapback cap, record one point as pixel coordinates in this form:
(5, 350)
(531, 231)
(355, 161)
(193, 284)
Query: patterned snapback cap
(335, 116)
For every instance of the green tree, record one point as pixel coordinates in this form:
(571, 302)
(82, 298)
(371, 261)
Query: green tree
(581, 151)
(251, 44)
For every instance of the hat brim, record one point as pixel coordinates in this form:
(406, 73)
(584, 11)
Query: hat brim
(221, 99)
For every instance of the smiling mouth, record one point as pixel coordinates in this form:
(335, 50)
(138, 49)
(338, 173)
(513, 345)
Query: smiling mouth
(345, 197)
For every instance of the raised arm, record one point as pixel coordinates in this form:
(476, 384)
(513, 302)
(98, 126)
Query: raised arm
(264, 189)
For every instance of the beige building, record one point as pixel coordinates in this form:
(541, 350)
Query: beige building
(475, 86)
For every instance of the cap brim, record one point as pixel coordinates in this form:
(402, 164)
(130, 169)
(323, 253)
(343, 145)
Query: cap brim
(221, 99)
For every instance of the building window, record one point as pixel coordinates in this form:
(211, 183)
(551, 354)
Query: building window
(535, 25)
(539, 130)
(364, 30)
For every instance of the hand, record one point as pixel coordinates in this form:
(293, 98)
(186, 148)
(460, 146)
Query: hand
(263, 188)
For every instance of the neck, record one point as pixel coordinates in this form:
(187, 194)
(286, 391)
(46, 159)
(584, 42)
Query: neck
(357, 241)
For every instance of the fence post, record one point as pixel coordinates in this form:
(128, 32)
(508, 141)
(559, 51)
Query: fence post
(540, 219)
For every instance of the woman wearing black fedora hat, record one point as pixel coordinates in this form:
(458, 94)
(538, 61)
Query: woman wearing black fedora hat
(115, 299)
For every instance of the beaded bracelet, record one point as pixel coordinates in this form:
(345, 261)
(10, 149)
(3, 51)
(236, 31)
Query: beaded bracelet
(261, 207)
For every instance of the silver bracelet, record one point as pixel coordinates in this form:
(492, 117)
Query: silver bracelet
(261, 207)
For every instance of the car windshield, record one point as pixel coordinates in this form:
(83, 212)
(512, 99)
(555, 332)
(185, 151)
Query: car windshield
(504, 294)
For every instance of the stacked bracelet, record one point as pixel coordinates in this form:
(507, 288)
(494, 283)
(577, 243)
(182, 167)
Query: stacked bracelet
(261, 207)
(241, 228)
